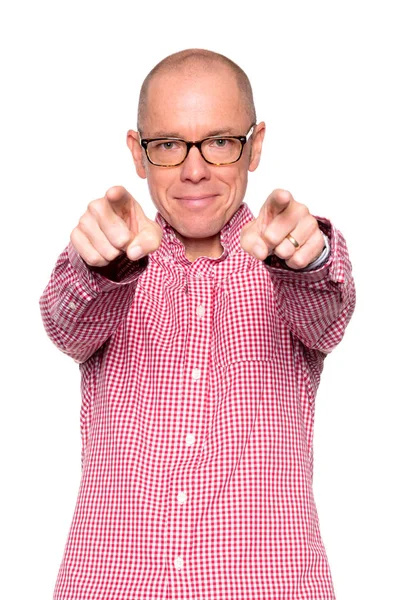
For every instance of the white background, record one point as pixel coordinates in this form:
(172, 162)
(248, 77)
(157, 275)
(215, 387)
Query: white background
(325, 77)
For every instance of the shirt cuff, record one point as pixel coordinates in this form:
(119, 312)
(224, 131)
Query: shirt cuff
(128, 272)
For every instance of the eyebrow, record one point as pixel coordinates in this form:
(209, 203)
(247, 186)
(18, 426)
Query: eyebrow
(216, 132)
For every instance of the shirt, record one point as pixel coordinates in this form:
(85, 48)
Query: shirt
(198, 394)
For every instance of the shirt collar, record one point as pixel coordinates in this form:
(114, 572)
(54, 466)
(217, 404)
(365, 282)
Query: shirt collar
(229, 236)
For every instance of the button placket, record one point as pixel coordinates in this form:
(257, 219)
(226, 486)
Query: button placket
(194, 377)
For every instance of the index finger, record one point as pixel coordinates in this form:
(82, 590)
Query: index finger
(126, 207)
(119, 198)
(276, 203)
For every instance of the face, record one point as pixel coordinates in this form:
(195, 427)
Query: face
(196, 198)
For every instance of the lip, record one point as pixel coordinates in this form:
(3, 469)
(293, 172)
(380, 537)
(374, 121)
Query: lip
(197, 202)
(196, 198)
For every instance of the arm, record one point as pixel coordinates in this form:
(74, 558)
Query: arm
(316, 305)
(81, 308)
(93, 283)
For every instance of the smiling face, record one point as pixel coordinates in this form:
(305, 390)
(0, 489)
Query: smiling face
(196, 198)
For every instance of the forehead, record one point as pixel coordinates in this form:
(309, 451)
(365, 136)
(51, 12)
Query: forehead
(193, 104)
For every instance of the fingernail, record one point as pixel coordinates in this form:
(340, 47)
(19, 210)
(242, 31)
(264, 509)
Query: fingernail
(135, 252)
(259, 251)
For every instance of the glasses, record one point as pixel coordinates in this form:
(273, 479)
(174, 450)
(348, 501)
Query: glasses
(216, 150)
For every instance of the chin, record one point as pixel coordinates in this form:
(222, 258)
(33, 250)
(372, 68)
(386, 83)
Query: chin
(197, 231)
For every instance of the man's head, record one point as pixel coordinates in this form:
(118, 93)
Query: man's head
(192, 95)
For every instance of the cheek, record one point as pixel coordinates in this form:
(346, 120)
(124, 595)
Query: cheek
(159, 184)
(237, 182)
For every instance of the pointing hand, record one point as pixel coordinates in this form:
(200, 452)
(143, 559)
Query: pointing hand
(282, 217)
(112, 225)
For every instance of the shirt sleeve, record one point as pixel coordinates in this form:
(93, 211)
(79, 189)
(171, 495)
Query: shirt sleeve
(316, 304)
(81, 308)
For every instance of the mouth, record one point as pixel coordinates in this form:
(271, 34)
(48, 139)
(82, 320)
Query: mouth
(198, 200)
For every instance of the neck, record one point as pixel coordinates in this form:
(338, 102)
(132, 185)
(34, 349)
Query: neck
(194, 248)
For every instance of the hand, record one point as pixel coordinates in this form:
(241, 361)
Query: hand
(113, 225)
(280, 216)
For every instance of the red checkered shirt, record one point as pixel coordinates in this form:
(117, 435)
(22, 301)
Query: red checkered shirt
(198, 391)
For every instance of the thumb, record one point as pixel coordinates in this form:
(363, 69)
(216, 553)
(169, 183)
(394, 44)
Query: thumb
(147, 240)
(147, 236)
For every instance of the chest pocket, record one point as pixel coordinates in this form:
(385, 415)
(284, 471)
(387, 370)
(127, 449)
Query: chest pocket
(245, 325)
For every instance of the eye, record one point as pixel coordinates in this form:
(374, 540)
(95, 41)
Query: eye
(220, 143)
(167, 145)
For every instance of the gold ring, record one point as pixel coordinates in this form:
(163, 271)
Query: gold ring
(294, 242)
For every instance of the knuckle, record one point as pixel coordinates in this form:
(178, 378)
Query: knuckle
(311, 222)
(245, 242)
(148, 245)
(83, 224)
(298, 262)
(315, 227)
(282, 251)
(94, 207)
(121, 242)
(302, 209)
(245, 232)
(111, 254)
(272, 239)
(121, 238)
(285, 255)
(94, 259)
(148, 235)
(286, 250)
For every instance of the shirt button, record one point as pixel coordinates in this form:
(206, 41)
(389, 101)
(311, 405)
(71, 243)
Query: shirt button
(196, 374)
(182, 497)
(178, 562)
(72, 305)
(200, 310)
(190, 439)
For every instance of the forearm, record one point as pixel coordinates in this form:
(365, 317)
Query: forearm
(81, 308)
(317, 305)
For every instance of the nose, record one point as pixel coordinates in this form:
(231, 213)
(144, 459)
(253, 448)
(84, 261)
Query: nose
(195, 167)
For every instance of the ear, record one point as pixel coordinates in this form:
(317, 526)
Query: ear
(256, 145)
(133, 142)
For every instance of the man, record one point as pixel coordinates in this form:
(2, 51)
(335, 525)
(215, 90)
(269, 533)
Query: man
(201, 339)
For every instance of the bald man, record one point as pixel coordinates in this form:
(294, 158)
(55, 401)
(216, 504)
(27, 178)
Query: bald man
(201, 338)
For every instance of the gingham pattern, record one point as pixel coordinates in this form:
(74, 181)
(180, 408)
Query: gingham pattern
(198, 390)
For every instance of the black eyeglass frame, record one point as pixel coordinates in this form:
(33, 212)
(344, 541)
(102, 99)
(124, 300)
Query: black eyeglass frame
(242, 139)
